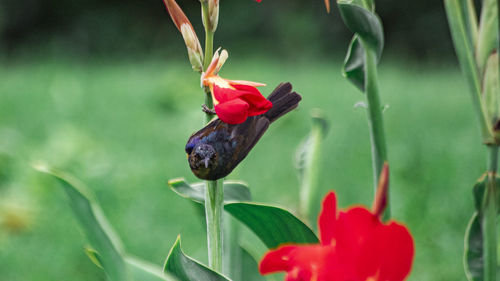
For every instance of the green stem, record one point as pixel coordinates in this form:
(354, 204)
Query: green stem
(214, 198)
(489, 223)
(214, 195)
(375, 119)
(209, 36)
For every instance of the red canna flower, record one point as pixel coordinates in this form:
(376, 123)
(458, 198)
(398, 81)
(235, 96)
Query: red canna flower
(355, 246)
(234, 100)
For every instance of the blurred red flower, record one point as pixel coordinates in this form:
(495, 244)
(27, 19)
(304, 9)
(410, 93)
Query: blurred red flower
(354, 246)
(234, 100)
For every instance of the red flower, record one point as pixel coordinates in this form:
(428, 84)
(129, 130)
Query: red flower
(234, 100)
(355, 246)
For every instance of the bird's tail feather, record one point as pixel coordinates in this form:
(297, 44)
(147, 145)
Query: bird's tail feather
(284, 100)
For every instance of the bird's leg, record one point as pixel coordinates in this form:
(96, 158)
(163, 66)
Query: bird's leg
(205, 109)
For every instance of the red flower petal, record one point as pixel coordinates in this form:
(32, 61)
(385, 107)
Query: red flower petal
(256, 104)
(233, 111)
(355, 246)
(327, 219)
(277, 260)
(396, 250)
(303, 263)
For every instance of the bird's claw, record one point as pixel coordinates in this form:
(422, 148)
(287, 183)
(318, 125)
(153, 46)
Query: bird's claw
(205, 109)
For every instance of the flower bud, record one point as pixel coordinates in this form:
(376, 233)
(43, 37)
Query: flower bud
(213, 14)
(182, 23)
(193, 47)
(210, 15)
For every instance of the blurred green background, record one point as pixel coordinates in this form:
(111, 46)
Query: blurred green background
(104, 90)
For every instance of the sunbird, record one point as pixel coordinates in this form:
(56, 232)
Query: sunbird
(214, 151)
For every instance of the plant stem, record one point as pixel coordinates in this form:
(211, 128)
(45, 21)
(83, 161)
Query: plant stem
(214, 195)
(214, 198)
(489, 224)
(375, 119)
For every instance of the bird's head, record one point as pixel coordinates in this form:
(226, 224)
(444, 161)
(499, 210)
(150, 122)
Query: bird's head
(202, 159)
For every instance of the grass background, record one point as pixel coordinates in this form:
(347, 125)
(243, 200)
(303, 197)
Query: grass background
(121, 127)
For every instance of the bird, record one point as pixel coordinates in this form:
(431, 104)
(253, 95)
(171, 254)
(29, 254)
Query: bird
(215, 150)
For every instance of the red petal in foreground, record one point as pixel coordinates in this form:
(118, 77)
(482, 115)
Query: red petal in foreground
(355, 245)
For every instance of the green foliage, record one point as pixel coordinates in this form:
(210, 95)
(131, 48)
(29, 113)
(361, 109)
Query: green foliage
(459, 22)
(308, 164)
(368, 31)
(474, 236)
(95, 225)
(127, 165)
(185, 268)
(108, 254)
(273, 225)
(233, 190)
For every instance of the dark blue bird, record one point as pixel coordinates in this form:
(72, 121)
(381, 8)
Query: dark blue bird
(214, 151)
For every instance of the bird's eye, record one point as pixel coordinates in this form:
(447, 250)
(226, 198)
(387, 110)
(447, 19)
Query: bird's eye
(189, 148)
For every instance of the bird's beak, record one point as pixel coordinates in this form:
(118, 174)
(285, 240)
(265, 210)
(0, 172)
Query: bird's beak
(206, 162)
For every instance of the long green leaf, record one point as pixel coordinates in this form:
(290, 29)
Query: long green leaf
(96, 227)
(140, 270)
(465, 53)
(488, 33)
(144, 271)
(273, 225)
(185, 268)
(365, 24)
(308, 164)
(233, 190)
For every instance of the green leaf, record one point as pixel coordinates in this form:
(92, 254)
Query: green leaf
(233, 190)
(308, 164)
(255, 248)
(488, 33)
(96, 227)
(185, 268)
(250, 267)
(144, 271)
(464, 48)
(473, 255)
(354, 63)
(273, 225)
(365, 24)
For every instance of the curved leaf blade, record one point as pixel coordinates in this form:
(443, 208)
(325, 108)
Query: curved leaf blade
(473, 255)
(233, 190)
(273, 225)
(185, 268)
(354, 63)
(365, 24)
(473, 246)
(91, 218)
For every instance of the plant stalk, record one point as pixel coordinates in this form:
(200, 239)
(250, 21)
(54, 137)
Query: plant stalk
(214, 198)
(489, 223)
(375, 119)
(214, 195)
